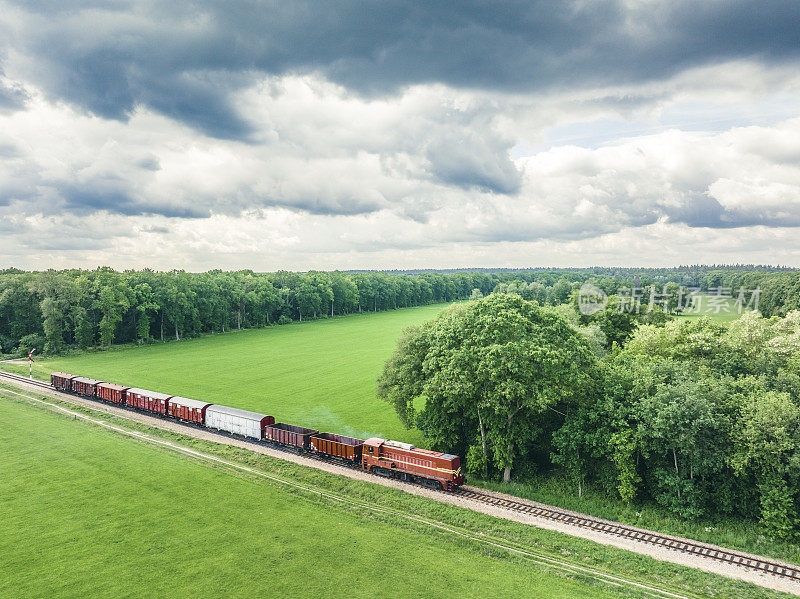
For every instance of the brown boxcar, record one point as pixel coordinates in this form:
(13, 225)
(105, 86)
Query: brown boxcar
(152, 401)
(190, 410)
(406, 462)
(289, 434)
(337, 446)
(83, 386)
(62, 381)
(111, 392)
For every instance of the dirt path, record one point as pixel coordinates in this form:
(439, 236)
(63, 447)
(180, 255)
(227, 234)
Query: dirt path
(660, 553)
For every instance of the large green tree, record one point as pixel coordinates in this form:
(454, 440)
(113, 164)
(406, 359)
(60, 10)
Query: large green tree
(489, 372)
(112, 304)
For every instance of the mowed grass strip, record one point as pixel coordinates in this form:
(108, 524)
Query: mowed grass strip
(90, 513)
(319, 374)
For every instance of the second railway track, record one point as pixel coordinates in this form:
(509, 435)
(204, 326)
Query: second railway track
(735, 558)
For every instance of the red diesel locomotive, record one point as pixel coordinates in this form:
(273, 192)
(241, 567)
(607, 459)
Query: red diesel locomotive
(406, 462)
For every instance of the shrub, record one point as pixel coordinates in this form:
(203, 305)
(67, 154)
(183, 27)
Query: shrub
(28, 342)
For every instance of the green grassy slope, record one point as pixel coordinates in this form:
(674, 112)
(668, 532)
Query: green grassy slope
(319, 374)
(112, 517)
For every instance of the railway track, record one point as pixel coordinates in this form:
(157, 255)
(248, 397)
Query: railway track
(24, 379)
(703, 550)
(739, 559)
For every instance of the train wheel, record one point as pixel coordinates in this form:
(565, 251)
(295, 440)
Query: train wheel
(433, 484)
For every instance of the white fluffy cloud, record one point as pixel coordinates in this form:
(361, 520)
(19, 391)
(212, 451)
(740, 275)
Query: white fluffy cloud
(432, 176)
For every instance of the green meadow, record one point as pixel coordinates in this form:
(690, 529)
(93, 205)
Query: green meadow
(91, 512)
(719, 309)
(319, 374)
(115, 518)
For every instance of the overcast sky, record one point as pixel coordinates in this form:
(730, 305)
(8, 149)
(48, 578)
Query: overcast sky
(326, 135)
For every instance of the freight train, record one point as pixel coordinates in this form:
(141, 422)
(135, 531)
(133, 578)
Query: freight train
(380, 456)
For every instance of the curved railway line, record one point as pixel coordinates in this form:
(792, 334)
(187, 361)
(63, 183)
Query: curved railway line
(735, 558)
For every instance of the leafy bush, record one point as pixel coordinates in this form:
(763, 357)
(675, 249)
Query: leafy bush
(6, 344)
(28, 342)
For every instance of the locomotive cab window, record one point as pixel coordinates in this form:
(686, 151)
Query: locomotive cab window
(370, 450)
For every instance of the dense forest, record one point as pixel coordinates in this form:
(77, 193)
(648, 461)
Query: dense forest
(701, 417)
(55, 310)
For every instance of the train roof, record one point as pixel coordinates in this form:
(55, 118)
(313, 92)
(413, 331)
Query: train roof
(377, 441)
(215, 408)
(113, 386)
(344, 440)
(146, 393)
(189, 403)
(88, 381)
(63, 375)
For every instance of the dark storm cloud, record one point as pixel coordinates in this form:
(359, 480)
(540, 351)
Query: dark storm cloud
(8, 151)
(184, 60)
(322, 203)
(703, 211)
(11, 97)
(150, 163)
(88, 199)
(465, 158)
(98, 195)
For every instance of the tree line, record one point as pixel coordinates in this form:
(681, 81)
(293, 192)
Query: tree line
(701, 417)
(55, 310)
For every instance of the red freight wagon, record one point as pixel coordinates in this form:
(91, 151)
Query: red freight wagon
(289, 434)
(406, 462)
(337, 446)
(152, 401)
(83, 386)
(112, 392)
(62, 381)
(187, 409)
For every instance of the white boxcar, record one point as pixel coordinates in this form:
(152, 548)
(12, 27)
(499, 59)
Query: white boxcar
(238, 422)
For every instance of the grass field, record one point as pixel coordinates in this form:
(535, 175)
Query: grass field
(719, 309)
(319, 374)
(112, 517)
